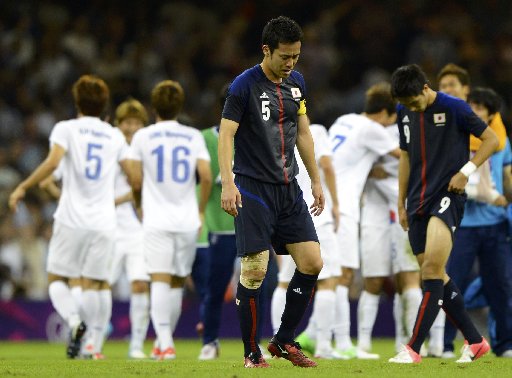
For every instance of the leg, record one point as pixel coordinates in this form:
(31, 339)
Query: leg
(286, 270)
(91, 306)
(323, 317)
(367, 309)
(199, 275)
(139, 316)
(409, 286)
(161, 308)
(341, 325)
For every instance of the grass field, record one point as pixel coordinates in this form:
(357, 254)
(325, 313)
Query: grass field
(40, 359)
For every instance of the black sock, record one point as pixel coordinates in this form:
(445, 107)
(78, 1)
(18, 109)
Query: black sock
(247, 303)
(299, 293)
(427, 313)
(453, 305)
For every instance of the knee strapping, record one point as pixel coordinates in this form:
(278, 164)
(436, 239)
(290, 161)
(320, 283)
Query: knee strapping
(253, 269)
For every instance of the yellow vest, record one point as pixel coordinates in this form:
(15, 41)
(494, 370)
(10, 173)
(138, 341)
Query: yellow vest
(498, 127)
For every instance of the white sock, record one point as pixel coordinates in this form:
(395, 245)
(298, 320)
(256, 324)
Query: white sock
(91, 309)
(341, 325)
(176, 299)
(277, 307)
(139, 319)
(367, 309)
(323, 315)
(103, 319)
(436, 339)
(398, 315)
(411, 300)
(64, 303)
(161, 313)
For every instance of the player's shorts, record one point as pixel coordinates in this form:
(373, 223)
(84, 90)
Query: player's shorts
(169, 252)
(129, 257)
(330, 256)
(272, 214)
(448, 206)
(348, 242)
(77, 253)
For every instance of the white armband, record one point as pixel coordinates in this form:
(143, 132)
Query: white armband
(468, 168)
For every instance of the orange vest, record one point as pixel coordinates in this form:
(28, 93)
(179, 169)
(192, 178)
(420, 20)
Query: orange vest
(498, 127)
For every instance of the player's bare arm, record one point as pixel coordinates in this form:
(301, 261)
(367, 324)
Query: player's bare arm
(325, 164)
(404, 169)
(230, 197)
(45, 169)
(135, 177)
(49, 185)
(205, 184)
(489, 144)
(306, 148)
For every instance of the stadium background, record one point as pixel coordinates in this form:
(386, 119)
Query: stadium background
(46, 45)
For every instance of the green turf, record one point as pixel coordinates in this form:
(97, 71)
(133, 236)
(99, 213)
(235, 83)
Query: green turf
(39, 359)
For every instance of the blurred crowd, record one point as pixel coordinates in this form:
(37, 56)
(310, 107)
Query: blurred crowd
(349, 45)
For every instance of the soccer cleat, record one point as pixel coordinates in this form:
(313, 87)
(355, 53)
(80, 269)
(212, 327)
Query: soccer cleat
(75, 340)
(255, 360)
(506, 354)
(448, 354)
(364, 355)
(347, 354)
(168, 354)
(327, 354)
(307, 343)
(406, 356)
(137, 355)
(435, 351)
(98, 356)
(209, 351)
(291, 352)
(155, 353)
(471, 352)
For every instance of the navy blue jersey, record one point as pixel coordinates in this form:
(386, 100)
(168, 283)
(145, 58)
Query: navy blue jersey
(267, 114)
(437, 142)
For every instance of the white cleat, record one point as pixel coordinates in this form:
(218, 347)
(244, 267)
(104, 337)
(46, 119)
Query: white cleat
(364, 355)
(471, 352)
(328, 355)
(209, 351)
(448, 354)
(406, 356)
(435, 351)
(137, 355)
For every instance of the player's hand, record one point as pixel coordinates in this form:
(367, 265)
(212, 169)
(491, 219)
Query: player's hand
(230, 199)
(15, 197)
(402, 218)
(458, 183)
(318, 205)
(336, 217)
(500, 201)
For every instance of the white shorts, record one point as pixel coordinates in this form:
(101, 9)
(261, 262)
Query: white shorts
(385, 247)
(169, 252)
(348, 242)
(77, 253)
(129, 257)
(328, 250)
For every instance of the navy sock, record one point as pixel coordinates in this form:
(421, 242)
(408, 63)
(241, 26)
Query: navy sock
(299, 293)
(247, 303)
(427, 313)
(453, 305)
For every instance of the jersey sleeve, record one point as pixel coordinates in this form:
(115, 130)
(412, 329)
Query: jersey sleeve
(60, 136)
(376, 139)
(302, 86)
(202, 151)
(322, 142)
(134, 151)
(236, 100)
(469, 121)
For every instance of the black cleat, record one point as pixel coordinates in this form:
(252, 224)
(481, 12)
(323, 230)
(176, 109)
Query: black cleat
(75, 340)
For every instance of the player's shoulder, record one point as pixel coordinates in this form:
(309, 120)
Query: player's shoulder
(243, 82)
(318, 129)
(451, 102)
(296, 76)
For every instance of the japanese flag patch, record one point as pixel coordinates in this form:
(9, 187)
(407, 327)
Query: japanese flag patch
(439, 119)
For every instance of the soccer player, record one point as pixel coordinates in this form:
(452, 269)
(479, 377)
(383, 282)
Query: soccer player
(265, 112)
(318, 335)
(433, 171)
(131, 116)
(165, 158)
(357, 141)
(83, 234)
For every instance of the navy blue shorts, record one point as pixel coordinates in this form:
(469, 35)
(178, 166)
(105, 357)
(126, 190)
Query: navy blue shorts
(272, 215)
(448, 206)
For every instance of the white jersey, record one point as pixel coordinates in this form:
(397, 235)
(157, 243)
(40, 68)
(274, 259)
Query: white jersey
(127, 221)
(169, 153)
(356, 143)
(93, 150)
(322, 148)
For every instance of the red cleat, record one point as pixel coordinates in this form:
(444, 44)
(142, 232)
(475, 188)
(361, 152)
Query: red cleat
(255, 360)
(291, 352)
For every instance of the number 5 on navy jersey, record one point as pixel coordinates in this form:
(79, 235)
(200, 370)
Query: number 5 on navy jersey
(180, 166)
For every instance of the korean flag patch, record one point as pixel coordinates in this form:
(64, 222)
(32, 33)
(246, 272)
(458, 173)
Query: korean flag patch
(439, 119)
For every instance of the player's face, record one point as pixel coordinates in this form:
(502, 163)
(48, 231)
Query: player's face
(451, 85)
(416, 103)
(283, 59)
(129, 126)
(389, 119)
(481, 111)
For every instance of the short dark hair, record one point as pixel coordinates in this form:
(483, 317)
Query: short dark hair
(486, 97)
(281, 30)
(408, 81)
(91, 95)
(453, 69)
(379, 97)
(167, 98)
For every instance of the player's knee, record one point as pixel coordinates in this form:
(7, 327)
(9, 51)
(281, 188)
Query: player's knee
(431, 269)
(316, 267)
(253, 270)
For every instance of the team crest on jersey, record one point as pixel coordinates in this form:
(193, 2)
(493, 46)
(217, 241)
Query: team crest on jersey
(405, 119)
(296, 93)
(440, 119)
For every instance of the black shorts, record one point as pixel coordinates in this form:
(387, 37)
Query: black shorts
(448, 206)
(271, 215)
